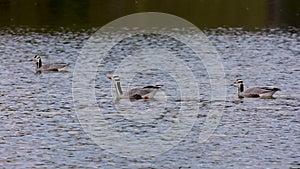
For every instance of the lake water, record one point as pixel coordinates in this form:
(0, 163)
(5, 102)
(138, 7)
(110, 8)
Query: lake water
(43, 127)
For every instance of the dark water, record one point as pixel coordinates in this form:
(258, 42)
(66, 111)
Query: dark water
(202, 13)
(40, 127)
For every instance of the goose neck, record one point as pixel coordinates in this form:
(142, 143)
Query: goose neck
(241, 88)
(118, 88)
(39, 63)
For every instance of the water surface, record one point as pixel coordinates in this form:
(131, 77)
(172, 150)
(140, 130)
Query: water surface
(40, 127)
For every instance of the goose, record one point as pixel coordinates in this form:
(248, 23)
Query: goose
(48, 67)
(146, 92)
(258, 91)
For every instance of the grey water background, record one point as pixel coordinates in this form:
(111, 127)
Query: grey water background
(40, 128)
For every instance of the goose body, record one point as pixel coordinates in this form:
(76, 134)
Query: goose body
(257, 91)
(146, 92)
(48, 67)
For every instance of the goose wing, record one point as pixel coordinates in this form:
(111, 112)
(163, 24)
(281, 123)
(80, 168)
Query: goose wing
(260, 90)
(143, 91)
(153, 87)
(54, 66)
(140, 91)
(268, 88)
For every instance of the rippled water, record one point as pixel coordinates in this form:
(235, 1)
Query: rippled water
(40, 127)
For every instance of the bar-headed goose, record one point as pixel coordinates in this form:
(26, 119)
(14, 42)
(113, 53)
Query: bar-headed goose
(48, 67)
(258, 91)
(146, 92)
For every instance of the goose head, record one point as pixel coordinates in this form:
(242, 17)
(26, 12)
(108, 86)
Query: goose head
(36, 58)
(240, 84)
(114, 78)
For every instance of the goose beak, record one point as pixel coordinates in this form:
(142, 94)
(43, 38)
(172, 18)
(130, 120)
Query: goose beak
(109, 77)
(31, 59)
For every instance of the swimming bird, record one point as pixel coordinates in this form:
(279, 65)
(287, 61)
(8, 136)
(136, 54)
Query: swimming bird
(48, 67)
(146, 92)
(258, 91)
